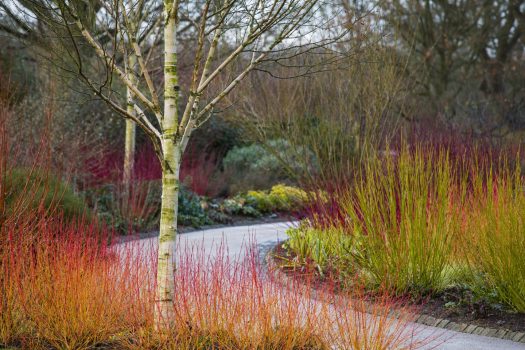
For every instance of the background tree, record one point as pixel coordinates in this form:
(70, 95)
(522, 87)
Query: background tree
(334, 120)
(142, 23)
(84, 127)
(466, 59)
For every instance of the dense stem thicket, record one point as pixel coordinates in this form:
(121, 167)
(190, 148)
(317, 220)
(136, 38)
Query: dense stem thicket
(228, 39)
(418, 223)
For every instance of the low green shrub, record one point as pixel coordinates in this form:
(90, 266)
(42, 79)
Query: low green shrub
(328, 249)
(260, 200)
(30, 189)
(219, 217)
(238, 206)
(280, 198)
(191, 211)
(138, 209)
(232, 206)
(253, 167)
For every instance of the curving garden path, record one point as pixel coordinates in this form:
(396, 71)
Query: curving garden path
(268, 235)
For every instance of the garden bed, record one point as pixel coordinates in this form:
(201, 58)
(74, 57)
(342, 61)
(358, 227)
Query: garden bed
(479, 313)
(453, 309)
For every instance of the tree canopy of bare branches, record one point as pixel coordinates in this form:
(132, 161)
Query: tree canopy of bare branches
(110, 44)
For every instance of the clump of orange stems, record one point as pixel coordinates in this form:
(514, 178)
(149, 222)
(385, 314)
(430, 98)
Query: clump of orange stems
(65, 285)
(68, 289)
(229, 303)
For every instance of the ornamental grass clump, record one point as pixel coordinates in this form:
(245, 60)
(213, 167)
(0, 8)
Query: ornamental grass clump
(61, 285)
(404, 220)
(494, 240)
(75, 293)
(395, 226)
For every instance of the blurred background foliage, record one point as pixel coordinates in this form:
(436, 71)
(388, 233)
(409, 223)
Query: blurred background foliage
(424, 71)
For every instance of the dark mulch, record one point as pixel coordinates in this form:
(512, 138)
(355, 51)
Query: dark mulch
(459, 305)
(456, 304)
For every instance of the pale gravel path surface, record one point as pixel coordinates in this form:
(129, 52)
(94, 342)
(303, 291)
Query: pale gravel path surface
(268, 235)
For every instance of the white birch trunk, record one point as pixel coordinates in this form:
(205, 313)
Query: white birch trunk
(129, 152)
(170, 175)
(129, 141)
(167, 237)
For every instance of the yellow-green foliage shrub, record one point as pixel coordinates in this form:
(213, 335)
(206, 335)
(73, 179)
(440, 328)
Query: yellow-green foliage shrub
(328, 248)
(260, 201)
(287, 198)
(279, 199)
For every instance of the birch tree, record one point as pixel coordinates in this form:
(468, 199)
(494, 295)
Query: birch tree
(228, 39)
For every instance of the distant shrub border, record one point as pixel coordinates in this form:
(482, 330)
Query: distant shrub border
(138, 209)
(48, 192)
